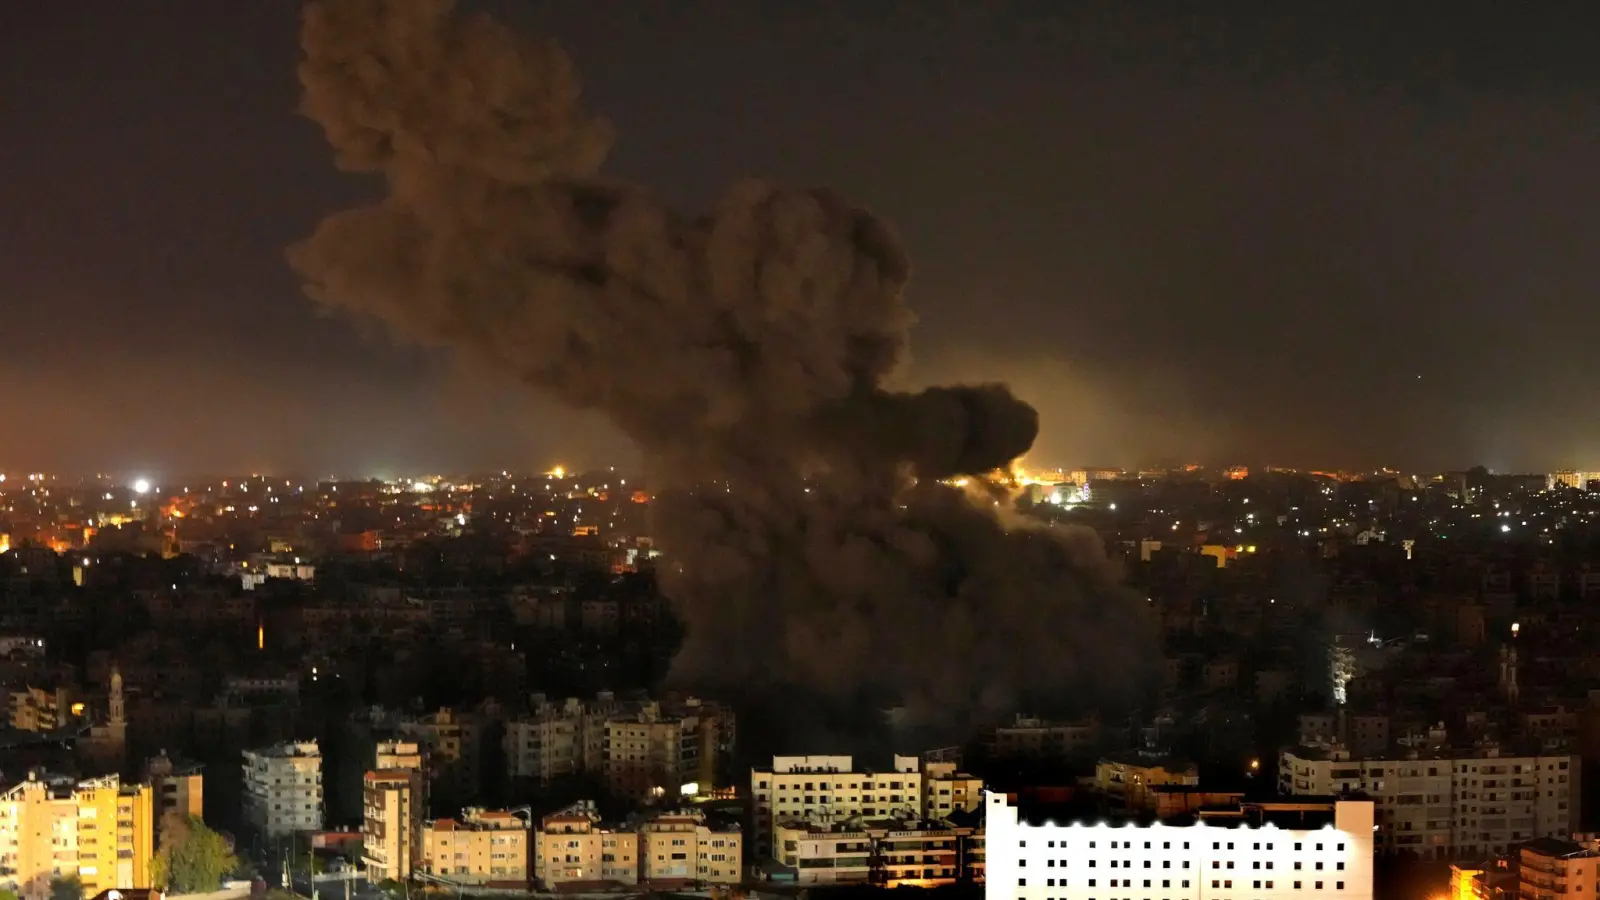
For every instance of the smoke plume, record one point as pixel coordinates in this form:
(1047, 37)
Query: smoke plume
(808, 541)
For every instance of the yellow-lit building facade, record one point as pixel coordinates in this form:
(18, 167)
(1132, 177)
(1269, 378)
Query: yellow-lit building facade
(881, 852)
(1551, 867)
(679, 848)
(44, 709)
(1129, 783)
(100, 830)
(572, 848)
(391, 822)
(178, 787)
(482, 847)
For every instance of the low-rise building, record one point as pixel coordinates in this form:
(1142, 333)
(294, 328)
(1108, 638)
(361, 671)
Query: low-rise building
(1128, 781)
(178, 785)
(829, 790)
(481, 847)
(681, 848)
(1552, 868)
(881, 852)
(571, 847)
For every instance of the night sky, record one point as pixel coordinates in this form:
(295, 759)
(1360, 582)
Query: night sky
(1340, 238)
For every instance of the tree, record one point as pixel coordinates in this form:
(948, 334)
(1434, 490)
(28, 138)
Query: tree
(66, 887)
(193, 859)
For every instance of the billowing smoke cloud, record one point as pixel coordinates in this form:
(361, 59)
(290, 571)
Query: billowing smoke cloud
(745, 351)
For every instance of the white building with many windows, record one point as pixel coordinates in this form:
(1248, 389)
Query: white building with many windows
(1311, 850)
(1443, 803)
(830, 790)
(283, 789)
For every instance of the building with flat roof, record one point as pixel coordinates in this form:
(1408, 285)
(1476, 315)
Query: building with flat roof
(1308, 849)
(1446, 803)
(830, 790)
(283, 789)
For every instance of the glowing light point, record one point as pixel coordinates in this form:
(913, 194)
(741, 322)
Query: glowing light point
(142, 486)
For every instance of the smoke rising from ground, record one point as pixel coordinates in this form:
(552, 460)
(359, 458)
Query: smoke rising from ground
(745, 352)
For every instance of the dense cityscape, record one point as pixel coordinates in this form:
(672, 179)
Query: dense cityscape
(463, 681)
(788, 608)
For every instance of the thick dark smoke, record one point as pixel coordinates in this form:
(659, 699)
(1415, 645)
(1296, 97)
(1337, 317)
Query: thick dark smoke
(746, 352)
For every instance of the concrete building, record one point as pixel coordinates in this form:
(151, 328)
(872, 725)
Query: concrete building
(681, 849)
(651, 756)
(100, 830)
(399, 755)
(481, 847)
(1443, 803)
(1307, 850)
(283, 789)
(947, 791)
(882, 852)
(1028, 737)
(555, 741)
(42, 709)
(572, 848)
(1552, 869)
(1128, 782)
(641, 749)
(453, 742)
(827, 790)
(391, 822)
(178, 786)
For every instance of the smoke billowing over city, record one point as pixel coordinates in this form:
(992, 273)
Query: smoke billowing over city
(808, 535)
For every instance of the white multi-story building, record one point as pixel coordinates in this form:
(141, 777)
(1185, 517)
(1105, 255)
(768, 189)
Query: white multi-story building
(1246, 854)
(827, 790)
(1443, 803)
(283, 789)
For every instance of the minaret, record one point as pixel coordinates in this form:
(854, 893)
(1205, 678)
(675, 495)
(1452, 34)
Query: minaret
(116, 746)
(119, 712)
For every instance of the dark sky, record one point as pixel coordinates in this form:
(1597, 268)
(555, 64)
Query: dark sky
(1297, 233)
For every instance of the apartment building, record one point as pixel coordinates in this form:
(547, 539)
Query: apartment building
(1028, 737)
(679, 848)
(642, 749)
(883, 852)
(100, 830)
(572, 848)
(43, 709)
(453, 741)
(283, 789)
(1443, 803)
(481, 847)
(828, 790)
(179, 786)
(1306, 850)
(947, 791)
(391, 821)
(556, 741)
(1552, 869)
(1129, 781)
(647, 755)
(398, 755)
